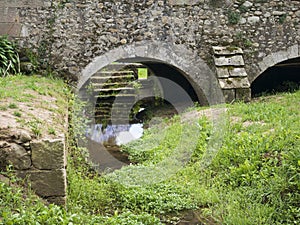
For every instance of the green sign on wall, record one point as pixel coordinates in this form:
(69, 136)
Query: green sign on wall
(142, 73)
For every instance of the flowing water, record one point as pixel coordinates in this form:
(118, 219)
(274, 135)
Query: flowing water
(104, 144)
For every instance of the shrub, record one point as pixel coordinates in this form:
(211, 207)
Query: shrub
(9, 58)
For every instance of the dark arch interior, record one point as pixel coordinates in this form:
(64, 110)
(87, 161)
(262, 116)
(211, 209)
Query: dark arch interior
(283, 77)
(181, 94)
(170, 72)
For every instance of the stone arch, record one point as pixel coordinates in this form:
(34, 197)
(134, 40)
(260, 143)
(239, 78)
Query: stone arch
(202, 79)
(275, 58)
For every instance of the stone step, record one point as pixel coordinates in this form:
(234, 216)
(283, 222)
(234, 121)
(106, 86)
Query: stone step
(113, 73)
(113, 104)
(104, 79)
(118, 89)
(113, 84)
(115, 95)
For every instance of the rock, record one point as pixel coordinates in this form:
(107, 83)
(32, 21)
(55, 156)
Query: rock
(4, 144)
(247, 4)
(48, 154)
(243, 20)
(253, 19)
(297, 13)
(278, 13)
(27, 67)
(24, 136)
(123, 41)
(18, 157)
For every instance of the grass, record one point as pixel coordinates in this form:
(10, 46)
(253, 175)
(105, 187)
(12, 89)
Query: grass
(35, 96)
(245, 170)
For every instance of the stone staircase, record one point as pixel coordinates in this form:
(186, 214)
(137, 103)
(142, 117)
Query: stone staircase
(114, 81)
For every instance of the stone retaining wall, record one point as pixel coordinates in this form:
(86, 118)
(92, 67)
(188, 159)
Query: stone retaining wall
(42, 162)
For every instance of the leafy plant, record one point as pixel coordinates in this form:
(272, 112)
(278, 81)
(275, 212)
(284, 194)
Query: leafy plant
(233, 17)
(9, 58)
(12, 106)
(17, 114)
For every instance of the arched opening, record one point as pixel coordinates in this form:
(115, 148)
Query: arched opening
(194, 69)
(282, 77)
(126, 87)
(176, 76)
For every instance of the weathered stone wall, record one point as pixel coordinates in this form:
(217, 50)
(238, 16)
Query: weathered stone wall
(70, 34)
(42, 162)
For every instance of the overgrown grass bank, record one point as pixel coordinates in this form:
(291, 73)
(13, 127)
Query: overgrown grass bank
(252, 177)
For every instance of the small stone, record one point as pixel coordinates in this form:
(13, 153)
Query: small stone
(278, 13)
(123, 41)
(4, 144)
(24, 136)
(18, 157)
(247, 4)
(297, 13)
(101, 5)
(267, 14)
(243, 20)
(253, 19)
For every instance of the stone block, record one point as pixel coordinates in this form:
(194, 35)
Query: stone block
(18, 157)
(9, 15)
(235, 60)
(222, 72)
(233, 83)
(21, 3)
(229, 95)
(46, 183)
(11, 29)
(218, 50)
(237, 72)
(243, 94)
(48, 154)
(293, 52)
(267, 62)
(279, 56)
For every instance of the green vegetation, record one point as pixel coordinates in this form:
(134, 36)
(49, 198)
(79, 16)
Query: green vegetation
(28, 97)
(233, 17)
(252, 176)
(9, 58)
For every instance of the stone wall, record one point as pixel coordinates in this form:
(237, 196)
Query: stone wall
(70, 34)
(41, 162)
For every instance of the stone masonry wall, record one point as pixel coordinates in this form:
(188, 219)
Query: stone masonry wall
(42, 162)
(69, 34)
